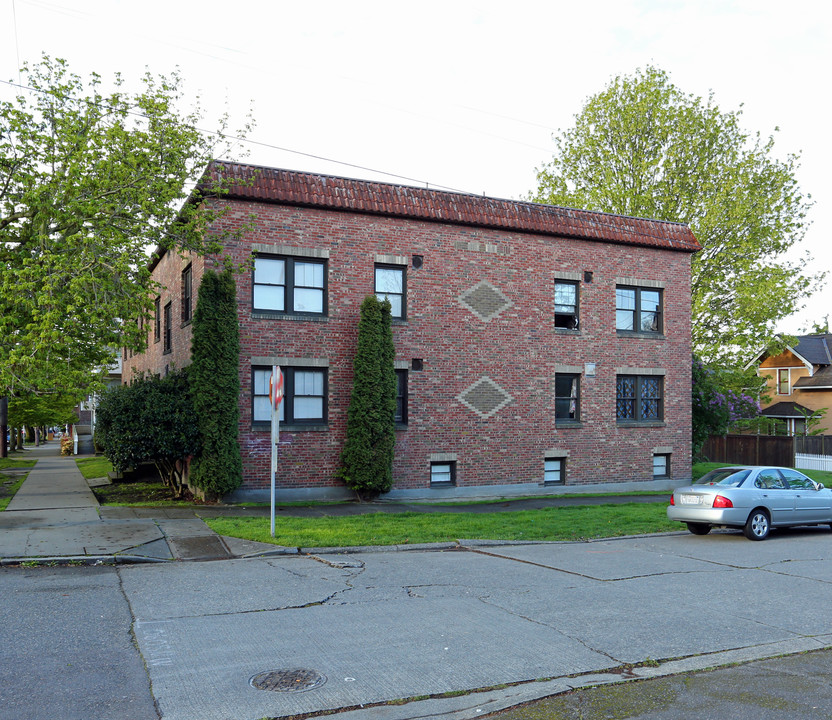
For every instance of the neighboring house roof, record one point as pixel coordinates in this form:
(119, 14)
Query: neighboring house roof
(811, 350)
(820, 380)
(787, 410)
(263, 184)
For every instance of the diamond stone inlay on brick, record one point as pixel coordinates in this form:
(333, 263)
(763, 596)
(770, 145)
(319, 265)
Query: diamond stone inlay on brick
(484, 300)
(484, 397)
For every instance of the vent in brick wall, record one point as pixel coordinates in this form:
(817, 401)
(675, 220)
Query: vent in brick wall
(484, 300)
(484, 397)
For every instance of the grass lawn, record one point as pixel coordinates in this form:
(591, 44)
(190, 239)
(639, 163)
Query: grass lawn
(95, 467)
(557, 523)
(8, 487)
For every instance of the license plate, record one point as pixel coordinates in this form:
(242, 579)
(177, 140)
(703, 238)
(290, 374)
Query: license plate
(690, 499)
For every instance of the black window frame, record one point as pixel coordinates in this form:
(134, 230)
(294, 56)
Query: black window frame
(561, 461)
(452, 473)
(289, 285)
(287, 404)
(560, 400)
(167, 329)
(637, 312)
(381, 295)
(666, 473)
(187, 295)
(638, 400)
(157, 320)
(567, 320)
(400, 415)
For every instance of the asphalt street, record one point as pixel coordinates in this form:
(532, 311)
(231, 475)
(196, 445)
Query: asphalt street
(353, 633)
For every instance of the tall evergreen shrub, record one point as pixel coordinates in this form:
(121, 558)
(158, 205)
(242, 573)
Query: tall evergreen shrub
(215, 385)
(367, 458)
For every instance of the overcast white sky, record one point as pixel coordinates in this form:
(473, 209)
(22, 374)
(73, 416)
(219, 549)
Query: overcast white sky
(458, 95)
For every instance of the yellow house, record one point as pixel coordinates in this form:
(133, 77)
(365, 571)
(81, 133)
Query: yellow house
(799, 382)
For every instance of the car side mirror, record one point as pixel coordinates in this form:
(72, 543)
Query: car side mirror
(820, 486)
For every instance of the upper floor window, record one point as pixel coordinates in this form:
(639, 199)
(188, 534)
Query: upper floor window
(638, 309)
(304, 396)
(639, 398)
(390, 285)
(290, 285)
(566, 304)
(187, 294)
(167, 346)
(783, 382)
(157, 319)
(567, 398)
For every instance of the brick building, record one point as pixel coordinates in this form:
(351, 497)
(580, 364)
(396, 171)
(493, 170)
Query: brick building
(536, 346)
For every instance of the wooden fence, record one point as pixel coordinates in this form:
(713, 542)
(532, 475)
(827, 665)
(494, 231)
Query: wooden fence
(750, 449)
(804, 451)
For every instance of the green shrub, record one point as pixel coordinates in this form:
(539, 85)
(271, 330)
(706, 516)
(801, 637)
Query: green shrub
(215, 385)
(367, 458)
(150, 420)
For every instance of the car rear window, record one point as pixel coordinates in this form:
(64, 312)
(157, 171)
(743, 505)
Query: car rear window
(727, 477)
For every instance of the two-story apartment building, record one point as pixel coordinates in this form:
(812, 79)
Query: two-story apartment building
(536, 346)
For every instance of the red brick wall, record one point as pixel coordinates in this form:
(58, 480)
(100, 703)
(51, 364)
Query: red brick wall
(168, 273)
(519, 349)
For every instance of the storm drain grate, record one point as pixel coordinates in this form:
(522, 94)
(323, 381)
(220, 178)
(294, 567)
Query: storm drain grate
(295, 680)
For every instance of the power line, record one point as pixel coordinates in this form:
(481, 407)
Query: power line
(259, 143)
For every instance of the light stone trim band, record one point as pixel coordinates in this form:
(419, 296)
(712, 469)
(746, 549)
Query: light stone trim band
(640, 283)
(566, 275)
(392, 259)
(663, 450)
(401, 365)
(443, 457)
(640, 371)
(572, 369)
(290, 250)
(291, 362)
(555, 454)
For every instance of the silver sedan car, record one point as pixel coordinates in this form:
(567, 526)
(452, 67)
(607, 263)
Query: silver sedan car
(755, 499)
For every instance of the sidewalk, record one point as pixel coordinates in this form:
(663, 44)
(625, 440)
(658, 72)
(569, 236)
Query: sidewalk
(56, 517)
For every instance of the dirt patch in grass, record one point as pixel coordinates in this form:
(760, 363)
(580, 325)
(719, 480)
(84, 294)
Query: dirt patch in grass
(140, 492)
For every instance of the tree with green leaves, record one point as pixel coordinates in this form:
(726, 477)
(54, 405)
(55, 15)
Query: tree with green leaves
(643, 148)
(89, 181)
(215, 385)
(367, 458)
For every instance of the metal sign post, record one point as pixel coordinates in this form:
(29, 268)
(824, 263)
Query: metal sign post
(275, 398)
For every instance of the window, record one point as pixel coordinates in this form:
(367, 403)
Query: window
(638, 310)
(157, 319)
(390, 285)
(553, 471)
(639, 398)
(401, 397)
(783, 384)
(796, 480)
(187, 295)
(304, 396)
(443, 473)
(566, 305)
(567, 398)
(290, 285)
(168, 329)
(661, 465)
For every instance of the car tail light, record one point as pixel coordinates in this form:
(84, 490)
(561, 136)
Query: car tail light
(722, 502)
(671, 500)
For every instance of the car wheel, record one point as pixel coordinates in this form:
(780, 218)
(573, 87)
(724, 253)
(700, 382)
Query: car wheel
(757, 525)
(699, 528)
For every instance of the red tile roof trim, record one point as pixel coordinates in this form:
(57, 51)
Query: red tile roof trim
(250, 182)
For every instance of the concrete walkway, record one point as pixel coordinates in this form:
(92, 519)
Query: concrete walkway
(55, 516)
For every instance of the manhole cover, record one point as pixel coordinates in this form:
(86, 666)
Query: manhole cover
(296, 680)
